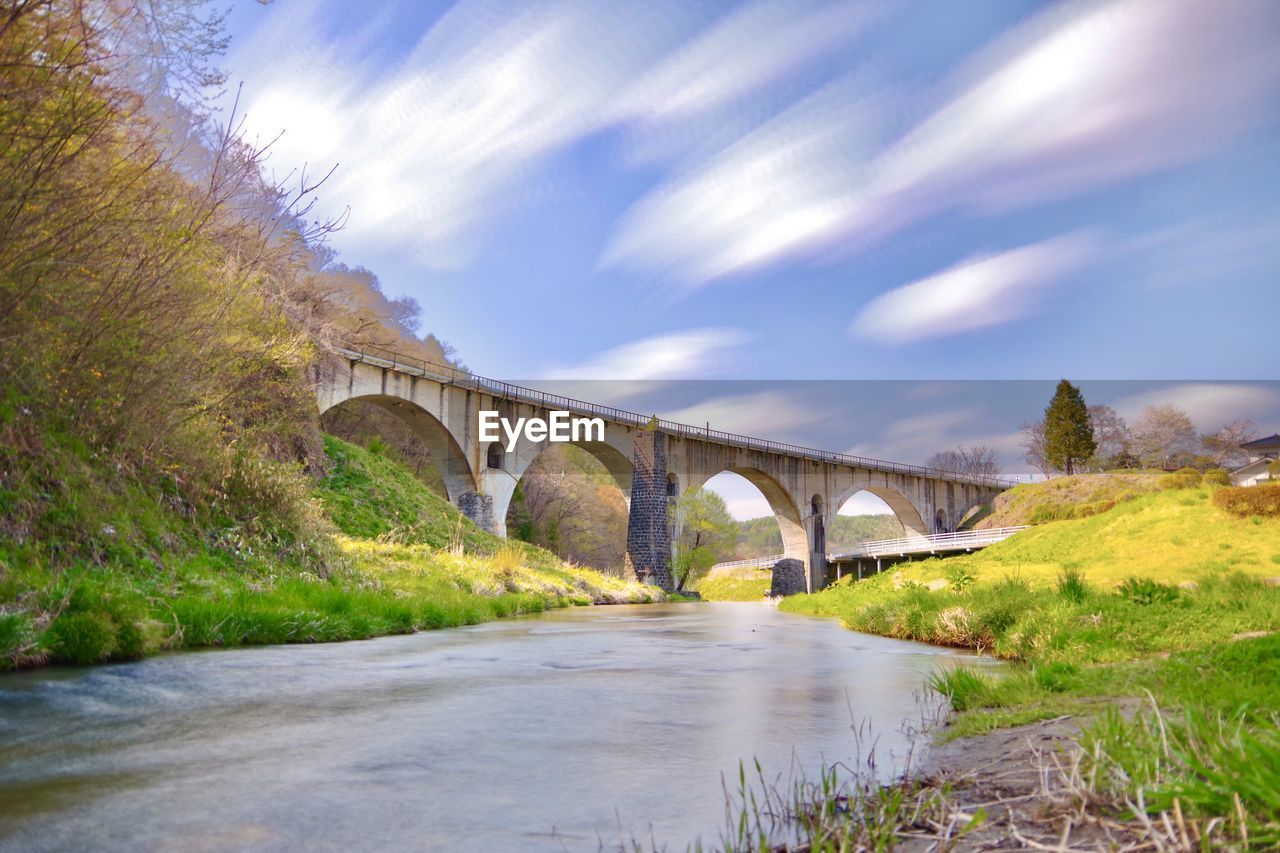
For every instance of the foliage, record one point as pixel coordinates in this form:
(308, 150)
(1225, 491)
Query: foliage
(569, 503)
(1147, 591)
(1183, 478)
(707, 534)
(1249, 501)
(1072, 585)
(1061, 498)
(1216, 477)
(976, 461)
(1068, 433)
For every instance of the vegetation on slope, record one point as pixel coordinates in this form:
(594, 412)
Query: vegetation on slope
(735, 585)
(144, 578)
(1164, 595)
(1067, 497)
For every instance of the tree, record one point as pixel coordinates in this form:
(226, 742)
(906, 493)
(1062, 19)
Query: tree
(1165, 437)
(1068, 435)
(1111, 435)
(707, 536)
(976, 461)
(1223, 447)
(1033, 446)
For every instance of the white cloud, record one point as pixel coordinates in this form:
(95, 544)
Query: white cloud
(458, 133)
(767, 414)
(1209, 404)
(694, 353)
(1082, 96)
(915, 438)
(984, 291)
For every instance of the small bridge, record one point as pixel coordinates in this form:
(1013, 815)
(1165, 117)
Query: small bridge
(652, 460)
(906, 547)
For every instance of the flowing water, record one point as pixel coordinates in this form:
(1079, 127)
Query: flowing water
(551, 732)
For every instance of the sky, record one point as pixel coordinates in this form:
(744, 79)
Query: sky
(782, 191)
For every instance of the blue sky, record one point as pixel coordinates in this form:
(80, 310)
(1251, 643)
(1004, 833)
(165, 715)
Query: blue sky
(800, 190)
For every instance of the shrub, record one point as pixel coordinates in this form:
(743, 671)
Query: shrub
(1072, 586)
(959, 579)
(82, 638)
(1145, 591)
(1245, 501)
(1217, 477)
(1183, 478)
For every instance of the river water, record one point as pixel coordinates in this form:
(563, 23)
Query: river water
(551, 732)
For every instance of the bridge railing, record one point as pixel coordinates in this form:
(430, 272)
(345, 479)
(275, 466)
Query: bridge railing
(923, 544)
(449, 374)
(750, 563)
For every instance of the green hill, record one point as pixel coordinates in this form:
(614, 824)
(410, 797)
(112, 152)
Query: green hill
(113, 567)
(1076, 496)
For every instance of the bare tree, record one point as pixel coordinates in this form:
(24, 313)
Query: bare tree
(1223, 447)
(1112, 437)
(1033, 447)
(978, 460)
(1165, 437)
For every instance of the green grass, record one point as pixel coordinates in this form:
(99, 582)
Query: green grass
(404, 560)
(748, 585)
(1162, 597)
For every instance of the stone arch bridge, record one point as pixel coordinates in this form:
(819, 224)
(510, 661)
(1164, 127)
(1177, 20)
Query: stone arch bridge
(653, 461)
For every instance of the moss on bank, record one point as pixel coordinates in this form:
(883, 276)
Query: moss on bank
(401, 559)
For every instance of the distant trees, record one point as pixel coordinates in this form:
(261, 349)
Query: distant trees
(976, 461)
(1112, 440)
(1068, 433)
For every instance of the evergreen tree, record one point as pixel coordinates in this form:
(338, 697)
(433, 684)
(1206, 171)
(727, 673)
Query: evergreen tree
(1068, 433)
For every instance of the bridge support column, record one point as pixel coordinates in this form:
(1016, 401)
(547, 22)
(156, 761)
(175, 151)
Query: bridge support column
(648, 534)
(478, 508)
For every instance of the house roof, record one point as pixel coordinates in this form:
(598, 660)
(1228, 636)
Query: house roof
(1260, 443)
(1257, 466)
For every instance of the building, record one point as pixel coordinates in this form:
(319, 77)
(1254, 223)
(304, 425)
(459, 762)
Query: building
(1262, 453)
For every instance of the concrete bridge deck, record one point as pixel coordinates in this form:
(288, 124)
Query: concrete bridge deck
(653, 460)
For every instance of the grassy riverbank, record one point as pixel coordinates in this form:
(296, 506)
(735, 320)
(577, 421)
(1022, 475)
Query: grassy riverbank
(398, 558)
(742, 585)
(1163, 597)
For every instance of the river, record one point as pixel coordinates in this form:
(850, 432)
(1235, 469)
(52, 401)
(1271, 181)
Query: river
(549, 732)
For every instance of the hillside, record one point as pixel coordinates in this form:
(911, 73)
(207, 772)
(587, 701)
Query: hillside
(1076, 496)
(138, 573)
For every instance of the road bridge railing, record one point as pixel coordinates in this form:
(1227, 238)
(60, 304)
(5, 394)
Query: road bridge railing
(964, 540)
(751, 563)
(506, 390)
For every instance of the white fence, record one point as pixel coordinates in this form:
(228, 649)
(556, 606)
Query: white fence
(965, 540)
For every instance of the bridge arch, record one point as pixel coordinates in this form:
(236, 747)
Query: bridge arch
(447, 455)
(913, 523)
(795, 542)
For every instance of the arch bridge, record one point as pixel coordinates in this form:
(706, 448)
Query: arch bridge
(652, 460)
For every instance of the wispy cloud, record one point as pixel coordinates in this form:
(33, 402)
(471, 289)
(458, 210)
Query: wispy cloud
(436, 147)
(767, 414)
(917, 437)
(689, 354)
(984, 291)
(1209, 404)
(1082, 96)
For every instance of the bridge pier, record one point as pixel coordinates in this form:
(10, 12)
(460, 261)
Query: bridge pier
(479, 508)
(648, 533)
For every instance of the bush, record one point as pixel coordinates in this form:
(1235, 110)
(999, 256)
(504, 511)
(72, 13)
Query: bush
(82, 638)
(1245, 501)
(1072, 585)
(1146, 591)
(1183, 478)
(1217, 477)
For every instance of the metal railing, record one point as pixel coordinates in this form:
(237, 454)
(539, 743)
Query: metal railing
(960, 541)
(752, 563)
(506, 390)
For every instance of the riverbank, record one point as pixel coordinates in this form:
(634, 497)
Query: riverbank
(1145, 633)
(398, 559)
